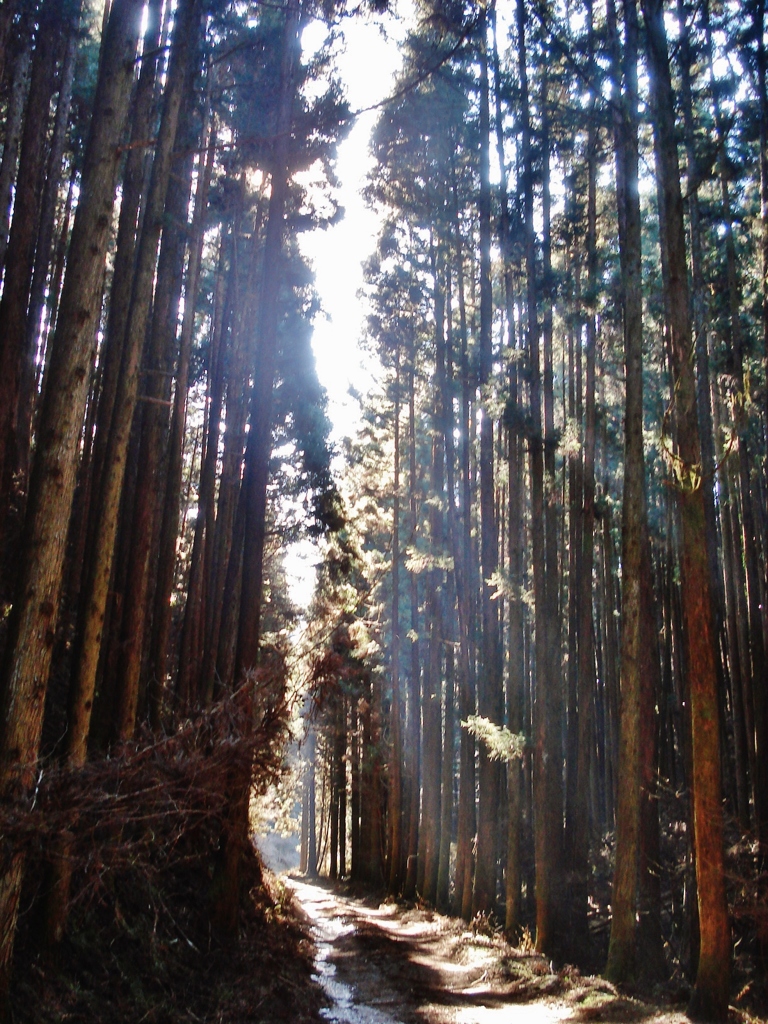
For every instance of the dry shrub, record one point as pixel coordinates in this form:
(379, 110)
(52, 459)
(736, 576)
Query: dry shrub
(146, 826)
(156, 801)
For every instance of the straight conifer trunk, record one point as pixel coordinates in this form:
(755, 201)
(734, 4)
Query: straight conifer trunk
(709, 1000)
(621, 964)
(459, 533)
(546, 797)
(33, 622)
(255, 478)
(395, 807)
(489, 687)
(14, 124)
(414, 681)
(95, 596)
(749, 528)
(514, 539)
(34, 345)
(20, 256)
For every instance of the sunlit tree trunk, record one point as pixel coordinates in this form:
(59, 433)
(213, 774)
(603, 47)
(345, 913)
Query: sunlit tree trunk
(621, 954)
(700, 320)
(414, 681)
(710, 995)
(546, 778)
(446, 786)
(33, 622)
(227, 879)
(133, 192)
(395, 807)
(514, 540)
(97, 587)
(489, 686)
(459, 529)
(749, 527)
(234, 440)
(580, 833)
(137, 588)
(431, 819)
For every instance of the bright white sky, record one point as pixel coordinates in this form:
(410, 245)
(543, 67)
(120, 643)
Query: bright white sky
(366, 64)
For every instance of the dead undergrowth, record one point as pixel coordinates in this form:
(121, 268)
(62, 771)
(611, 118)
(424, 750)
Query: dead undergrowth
(146, 825)
(142, 950)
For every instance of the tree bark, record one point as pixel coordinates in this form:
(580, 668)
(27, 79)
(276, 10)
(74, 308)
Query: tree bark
(95, 597)
(750, 537)
(258, 451)
(189, 690)
(621, 966)
(20, 257)
(395, 807)
(489, 688)
(33, 621)
(709, 1000)
(14, 124)
(43, 253)
(546, 779)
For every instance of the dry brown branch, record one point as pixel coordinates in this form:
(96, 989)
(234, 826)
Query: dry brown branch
(154, 801)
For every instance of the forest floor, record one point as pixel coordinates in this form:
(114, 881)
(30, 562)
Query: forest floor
(389, 963)
(140, 950)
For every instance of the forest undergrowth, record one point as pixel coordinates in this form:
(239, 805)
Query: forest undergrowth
(140, 943)
(140, 948)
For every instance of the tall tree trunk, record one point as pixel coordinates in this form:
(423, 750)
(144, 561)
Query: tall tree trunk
(446, 788)
(20, 259)
(553, 696)
(762, 90)
(432, 785)
(159, 473)
(546, 778)
(710, 995)
(489, 688)
(700, 324)
(460, 531)
(43, 254)
(621, 964)
(395, 808)
(143, 126)
(95, 597)
(138, 587)
(260, 416)
(257, 460)
(749, 529)
(414, 681)
(242, 271)
(33, 620)
(14, 125)
(579, 848)
(514, 540)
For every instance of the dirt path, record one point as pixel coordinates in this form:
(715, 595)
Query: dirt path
(385, 964)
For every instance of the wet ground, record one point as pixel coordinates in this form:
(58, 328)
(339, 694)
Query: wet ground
(390, 964)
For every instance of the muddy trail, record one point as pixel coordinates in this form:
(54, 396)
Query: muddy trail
(384, 963)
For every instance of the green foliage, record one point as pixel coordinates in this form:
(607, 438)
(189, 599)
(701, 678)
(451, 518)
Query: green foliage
(499, 742)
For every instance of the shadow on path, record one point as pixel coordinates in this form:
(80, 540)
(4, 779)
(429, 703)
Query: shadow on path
(389, 965)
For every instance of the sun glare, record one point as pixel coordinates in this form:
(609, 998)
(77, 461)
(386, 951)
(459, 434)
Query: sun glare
(367, 62)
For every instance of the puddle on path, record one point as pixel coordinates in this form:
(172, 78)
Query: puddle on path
(327, 930)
